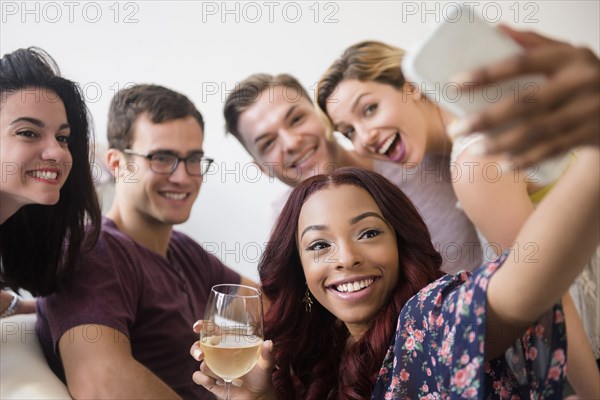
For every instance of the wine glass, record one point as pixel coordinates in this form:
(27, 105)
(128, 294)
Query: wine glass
(232, 331)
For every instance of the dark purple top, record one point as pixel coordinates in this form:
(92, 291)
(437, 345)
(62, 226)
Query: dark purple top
(151, 299)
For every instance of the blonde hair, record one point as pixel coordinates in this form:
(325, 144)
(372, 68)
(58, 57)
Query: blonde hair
(364, 61)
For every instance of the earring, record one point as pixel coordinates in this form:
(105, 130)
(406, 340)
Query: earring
(307, 300)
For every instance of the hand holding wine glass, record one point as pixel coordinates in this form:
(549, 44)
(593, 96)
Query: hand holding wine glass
(232, 331)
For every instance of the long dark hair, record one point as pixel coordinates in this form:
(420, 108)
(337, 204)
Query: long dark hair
(40, 244)
(310, 354)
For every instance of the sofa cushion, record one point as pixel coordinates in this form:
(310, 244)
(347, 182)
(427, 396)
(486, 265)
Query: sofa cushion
(24, 372)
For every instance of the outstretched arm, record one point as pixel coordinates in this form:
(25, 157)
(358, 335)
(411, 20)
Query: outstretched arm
(497, 202)
(565, 228)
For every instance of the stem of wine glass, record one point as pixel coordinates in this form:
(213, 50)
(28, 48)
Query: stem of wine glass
(227, 384)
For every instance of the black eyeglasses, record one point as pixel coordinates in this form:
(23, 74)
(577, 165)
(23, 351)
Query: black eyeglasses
(165, 163)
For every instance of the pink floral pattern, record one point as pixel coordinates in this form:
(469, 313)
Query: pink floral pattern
(439, 348)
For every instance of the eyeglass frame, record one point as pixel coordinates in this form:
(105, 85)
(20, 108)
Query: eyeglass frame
(177, 161)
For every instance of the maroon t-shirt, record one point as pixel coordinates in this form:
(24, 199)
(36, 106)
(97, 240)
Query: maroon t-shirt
(151, 299)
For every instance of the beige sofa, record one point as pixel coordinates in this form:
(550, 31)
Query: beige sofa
(24, 373)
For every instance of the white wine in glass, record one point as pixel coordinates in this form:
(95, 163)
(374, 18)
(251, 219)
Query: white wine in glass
(232, 331)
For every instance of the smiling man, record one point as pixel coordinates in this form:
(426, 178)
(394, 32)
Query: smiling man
(121, 328)
(274, 118)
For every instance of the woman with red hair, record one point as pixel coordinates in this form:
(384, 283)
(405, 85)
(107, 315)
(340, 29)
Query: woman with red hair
(359, 309)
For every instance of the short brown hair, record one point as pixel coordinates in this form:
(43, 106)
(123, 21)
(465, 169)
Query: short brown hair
(160, 103)
(249, 91)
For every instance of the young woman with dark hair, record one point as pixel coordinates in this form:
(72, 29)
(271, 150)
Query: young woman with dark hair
(47, 191)
(313, 344)
(358, 308)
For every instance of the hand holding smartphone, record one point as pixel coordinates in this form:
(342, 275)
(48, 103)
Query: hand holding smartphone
(461, 43)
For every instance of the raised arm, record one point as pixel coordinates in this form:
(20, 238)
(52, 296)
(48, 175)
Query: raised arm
(98, 365)
(497, 203)
(565, 229)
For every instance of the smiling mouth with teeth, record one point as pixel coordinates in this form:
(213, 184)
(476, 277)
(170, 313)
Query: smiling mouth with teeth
(174, 196)
(354, 286)
(389, 144)
(304, 158)
(394, 148)
(45, 175)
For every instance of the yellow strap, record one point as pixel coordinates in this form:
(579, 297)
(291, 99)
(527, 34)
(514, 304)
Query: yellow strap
(538, 196)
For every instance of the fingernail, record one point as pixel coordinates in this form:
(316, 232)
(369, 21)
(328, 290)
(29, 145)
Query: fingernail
(270, 344)
(237, 382)
(462, 78)
(196, 324)
(458, 128)
(197, 354)
(477, 149)
(220, 383)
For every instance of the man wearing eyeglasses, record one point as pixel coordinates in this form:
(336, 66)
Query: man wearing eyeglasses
(121, 328)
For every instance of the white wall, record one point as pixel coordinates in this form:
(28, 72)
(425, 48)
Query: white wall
(203, 48)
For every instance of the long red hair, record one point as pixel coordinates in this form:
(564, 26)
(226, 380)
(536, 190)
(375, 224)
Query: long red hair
(310, 348)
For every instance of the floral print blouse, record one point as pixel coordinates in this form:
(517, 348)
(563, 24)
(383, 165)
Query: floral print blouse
(439, 348)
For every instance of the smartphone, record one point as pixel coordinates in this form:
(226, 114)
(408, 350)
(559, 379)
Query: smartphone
(459, 44)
